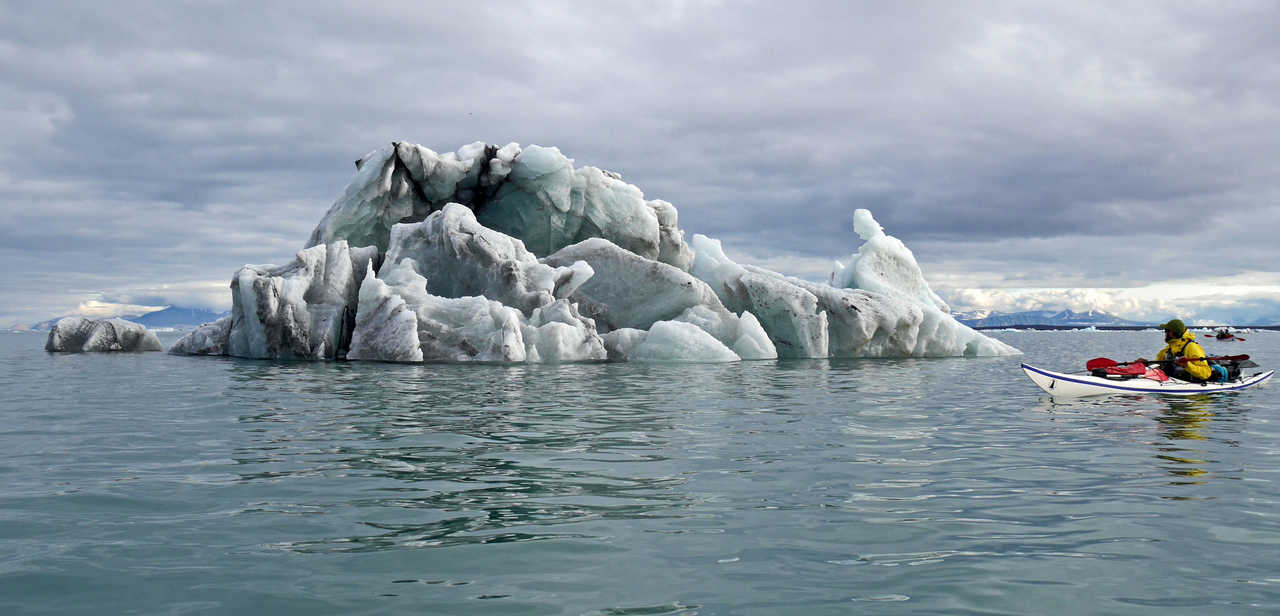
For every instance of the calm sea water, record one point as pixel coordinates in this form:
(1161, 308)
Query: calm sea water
(155, 484)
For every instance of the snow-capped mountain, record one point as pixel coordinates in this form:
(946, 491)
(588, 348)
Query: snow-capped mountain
(178, 316)
(174, 316)
(1059, 318)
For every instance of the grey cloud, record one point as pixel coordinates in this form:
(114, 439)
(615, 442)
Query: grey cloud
(1249, 310)
(198, 136)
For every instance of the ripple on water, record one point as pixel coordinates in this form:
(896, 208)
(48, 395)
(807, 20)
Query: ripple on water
(762, 487)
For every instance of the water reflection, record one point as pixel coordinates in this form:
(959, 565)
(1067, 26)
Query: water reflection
(1193, 427)
(1186, 418)
(435, 456)
(1179, 420)
(1189, 432)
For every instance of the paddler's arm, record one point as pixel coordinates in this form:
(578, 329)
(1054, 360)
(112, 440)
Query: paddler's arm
(1194, 354)
(1197, 367)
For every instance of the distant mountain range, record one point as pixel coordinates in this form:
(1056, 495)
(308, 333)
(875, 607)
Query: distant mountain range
(1055, 318)
(177, 317)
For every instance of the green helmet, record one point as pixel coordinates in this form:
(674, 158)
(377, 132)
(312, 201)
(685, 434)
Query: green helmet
(1175, 327)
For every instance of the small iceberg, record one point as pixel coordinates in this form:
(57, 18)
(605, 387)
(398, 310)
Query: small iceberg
(81, 335)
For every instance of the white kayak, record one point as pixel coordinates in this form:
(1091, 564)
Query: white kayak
(1063, 385)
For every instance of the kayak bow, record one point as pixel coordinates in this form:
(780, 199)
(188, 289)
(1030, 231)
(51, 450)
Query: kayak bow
(1063, 385)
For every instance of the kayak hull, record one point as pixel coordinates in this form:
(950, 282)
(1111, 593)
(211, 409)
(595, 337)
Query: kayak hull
(1063, 385)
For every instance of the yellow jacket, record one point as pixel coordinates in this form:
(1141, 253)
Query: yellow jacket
(1186, 346)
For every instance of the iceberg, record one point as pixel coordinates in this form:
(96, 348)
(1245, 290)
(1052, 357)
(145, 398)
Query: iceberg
(207, 339)
(513, 254)
(81, 335)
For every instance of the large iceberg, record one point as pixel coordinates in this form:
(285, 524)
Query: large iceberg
(511, 254)
(81, 335)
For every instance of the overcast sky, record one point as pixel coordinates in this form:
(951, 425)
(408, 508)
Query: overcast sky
(1032, 155)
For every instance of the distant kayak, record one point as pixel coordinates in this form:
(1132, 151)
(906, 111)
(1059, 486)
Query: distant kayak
(1064, 385)
(1226, 335)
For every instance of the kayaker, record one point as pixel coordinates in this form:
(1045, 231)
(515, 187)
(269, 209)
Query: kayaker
(1181, 343)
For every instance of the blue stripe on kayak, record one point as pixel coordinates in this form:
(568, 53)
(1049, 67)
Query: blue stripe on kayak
(1190, 390)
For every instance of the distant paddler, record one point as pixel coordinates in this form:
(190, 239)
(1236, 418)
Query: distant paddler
(1225, 334)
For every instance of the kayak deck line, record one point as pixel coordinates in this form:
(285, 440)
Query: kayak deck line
(1073, 385)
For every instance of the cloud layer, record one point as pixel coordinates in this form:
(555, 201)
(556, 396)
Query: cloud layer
(1011, 147)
